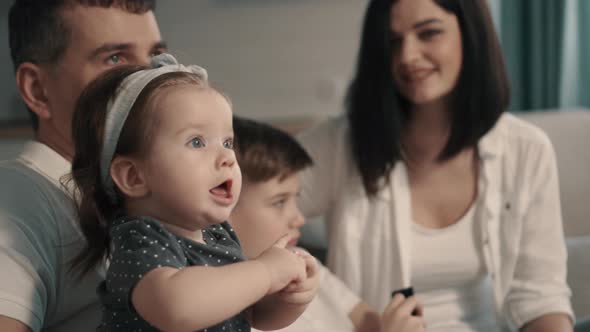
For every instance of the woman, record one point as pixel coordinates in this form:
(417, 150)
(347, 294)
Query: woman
(427, 182)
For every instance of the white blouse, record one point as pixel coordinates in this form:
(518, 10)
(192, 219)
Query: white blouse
(521, 235)
(453, 285)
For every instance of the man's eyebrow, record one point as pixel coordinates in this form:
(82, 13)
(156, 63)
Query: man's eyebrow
(109, 47)
(426, 22)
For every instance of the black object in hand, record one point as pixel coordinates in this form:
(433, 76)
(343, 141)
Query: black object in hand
(406, 292)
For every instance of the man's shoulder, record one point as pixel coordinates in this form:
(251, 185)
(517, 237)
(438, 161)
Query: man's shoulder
(22, 182)
(15, 171)
(28, 200)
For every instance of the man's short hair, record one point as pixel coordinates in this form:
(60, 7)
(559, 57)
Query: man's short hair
(265, 152)
(37, 32)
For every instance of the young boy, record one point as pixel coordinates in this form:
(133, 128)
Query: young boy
(270, 161)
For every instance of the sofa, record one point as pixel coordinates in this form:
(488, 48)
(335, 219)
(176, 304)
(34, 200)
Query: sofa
(569, 131)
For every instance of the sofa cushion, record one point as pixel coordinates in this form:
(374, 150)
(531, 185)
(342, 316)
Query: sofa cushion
(578, 274)
(569, 131)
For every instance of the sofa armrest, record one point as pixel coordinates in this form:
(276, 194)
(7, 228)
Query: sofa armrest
(578, 274)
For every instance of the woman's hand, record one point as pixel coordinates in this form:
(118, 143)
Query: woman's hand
(397, 316)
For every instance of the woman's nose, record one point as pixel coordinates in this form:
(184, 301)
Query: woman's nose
(408, 51)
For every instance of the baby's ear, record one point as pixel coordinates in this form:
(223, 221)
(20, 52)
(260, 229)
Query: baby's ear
(127, 175)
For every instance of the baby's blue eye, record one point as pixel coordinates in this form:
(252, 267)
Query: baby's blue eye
(196, 143)
(229, 144)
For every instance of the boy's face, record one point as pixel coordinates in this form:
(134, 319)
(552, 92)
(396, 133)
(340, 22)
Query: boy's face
(265, 212)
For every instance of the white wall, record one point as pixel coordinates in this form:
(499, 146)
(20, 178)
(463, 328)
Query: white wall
(275, 58)
(10, 104)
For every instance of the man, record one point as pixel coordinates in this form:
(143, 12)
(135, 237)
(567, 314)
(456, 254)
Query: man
(57, 48)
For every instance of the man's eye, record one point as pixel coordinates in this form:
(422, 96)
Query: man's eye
(196, 143)
(114, 59)
(229, 144)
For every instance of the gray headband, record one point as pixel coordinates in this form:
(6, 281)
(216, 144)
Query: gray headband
(118, 108)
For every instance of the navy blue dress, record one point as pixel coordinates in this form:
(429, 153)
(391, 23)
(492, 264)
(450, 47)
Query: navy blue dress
(141, 244)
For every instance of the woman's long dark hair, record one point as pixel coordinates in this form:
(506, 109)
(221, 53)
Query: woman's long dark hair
(96, 209)
(378, 113)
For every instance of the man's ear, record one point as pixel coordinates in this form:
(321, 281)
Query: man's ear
(29, 81)
(128, 176)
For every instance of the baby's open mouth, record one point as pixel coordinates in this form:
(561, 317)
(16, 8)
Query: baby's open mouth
(223, 189)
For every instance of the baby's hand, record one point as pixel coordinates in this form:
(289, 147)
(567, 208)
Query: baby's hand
(397, 316)
(303, 292)
(283, 265)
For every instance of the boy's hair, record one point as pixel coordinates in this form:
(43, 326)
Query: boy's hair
(38, 33)
(96, 209)
(265, 152)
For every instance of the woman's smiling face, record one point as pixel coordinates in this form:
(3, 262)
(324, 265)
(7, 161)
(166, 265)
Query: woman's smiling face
(427, 50)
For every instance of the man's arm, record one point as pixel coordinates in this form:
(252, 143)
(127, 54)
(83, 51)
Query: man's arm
(8, 324)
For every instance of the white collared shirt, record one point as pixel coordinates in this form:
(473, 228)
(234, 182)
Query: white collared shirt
(39, 236)
(521, 235)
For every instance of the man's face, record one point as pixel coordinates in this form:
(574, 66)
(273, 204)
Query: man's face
(100, 38)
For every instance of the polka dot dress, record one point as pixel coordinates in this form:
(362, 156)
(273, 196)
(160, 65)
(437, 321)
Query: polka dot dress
(143, 244)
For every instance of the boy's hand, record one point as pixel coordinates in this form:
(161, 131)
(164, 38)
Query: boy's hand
(283, 265)
(303, 292)
(397, 316)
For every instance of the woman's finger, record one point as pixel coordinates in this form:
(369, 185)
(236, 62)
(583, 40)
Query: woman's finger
(408, 306)
(396, 301)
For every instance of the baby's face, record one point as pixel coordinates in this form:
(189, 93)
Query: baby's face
(265, 212)
(191, 169)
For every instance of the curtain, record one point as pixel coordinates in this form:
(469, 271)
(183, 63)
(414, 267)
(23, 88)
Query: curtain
(546, 44)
